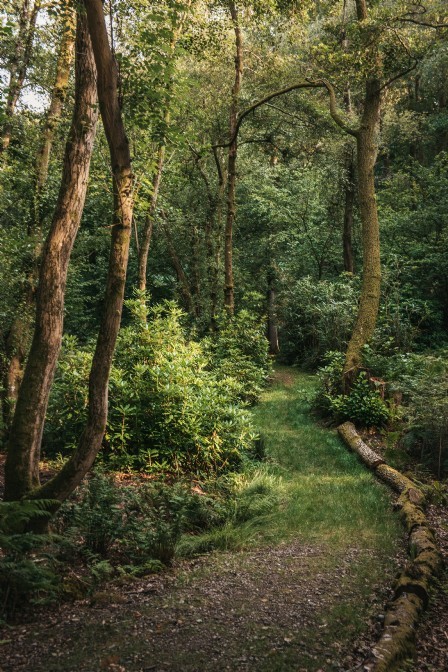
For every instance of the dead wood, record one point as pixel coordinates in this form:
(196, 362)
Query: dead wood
(412, 588)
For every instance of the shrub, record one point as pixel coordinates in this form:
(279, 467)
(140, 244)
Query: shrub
(135, 526)
(363, 405)
(317, 317)
(239, 351)
(170, 407)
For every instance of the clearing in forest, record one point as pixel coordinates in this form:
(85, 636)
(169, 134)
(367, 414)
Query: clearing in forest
(293, 588)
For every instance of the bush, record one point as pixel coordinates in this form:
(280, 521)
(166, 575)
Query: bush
(363, 405)
(138, 525)
(171, 408)
(239, 351)
(317, 317)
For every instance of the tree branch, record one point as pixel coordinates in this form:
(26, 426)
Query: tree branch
(307, 84)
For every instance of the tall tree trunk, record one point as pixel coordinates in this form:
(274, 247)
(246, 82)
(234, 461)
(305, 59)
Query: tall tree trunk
(367, 149)
(58, 94)
(19, 66)
(26, 431)
(182, 279)
(229, 299)
(143, 252)
(74, 470)
(19, 336)
(149, 221)
(349, 201)
(272, 315)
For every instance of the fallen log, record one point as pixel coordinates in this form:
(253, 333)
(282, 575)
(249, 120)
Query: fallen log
(352, 438)
(412, 588)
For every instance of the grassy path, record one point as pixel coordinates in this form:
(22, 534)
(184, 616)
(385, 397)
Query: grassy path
(292, 591)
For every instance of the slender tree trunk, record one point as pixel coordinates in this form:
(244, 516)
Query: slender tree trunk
(149, 221)
(143, 252)
(367, 147)
(180, 273)
(229, 299)
(272, 317)
(58, 94)
(19, 66)
(74, 470)
(26, 431)
(20, 334)
(349, 193)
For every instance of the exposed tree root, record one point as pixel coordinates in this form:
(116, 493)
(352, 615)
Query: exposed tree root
(411, 590)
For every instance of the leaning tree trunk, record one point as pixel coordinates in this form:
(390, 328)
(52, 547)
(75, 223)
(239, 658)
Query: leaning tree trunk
(58, 95)
(20, 334)
(229, 299)
(74, 470)
(22, 473)
(19, 66)
(371, 284)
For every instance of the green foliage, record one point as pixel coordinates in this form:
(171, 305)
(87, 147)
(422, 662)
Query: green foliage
(317, 317)
(138, 525)
(362, 405)
(239, 352)
(26, 571)
(170, 407)
(119, 524)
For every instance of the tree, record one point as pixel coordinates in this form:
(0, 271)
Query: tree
(18, 65)
(22, 465)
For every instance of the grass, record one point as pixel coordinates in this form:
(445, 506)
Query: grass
(310, 487)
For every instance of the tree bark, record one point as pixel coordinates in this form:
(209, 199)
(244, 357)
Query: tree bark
(58, 94)
(347, 233)
(19, 66)
(19, 337)
(143, 252)
(74, 470)
(367, 149)
(26, 431)
(412, 588)
(180, 273)
(229, 299)
(149, 221)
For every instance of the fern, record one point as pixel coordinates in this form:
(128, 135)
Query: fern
(24, 577)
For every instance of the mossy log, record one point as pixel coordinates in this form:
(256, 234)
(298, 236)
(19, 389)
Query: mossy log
(397, 641)
(412, 589)
(352, 438)
(397, 481)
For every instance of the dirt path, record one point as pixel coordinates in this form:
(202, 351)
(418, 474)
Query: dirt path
(299, 605)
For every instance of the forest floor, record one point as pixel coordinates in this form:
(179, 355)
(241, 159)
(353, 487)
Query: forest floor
(305, 591)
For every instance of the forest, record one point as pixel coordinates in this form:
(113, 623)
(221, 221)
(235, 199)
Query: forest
(223, 335)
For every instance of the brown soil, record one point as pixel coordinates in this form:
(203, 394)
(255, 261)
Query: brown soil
(263, 611)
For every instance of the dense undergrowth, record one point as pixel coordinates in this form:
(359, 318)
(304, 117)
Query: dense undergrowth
(176, 404)
(307, 487)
